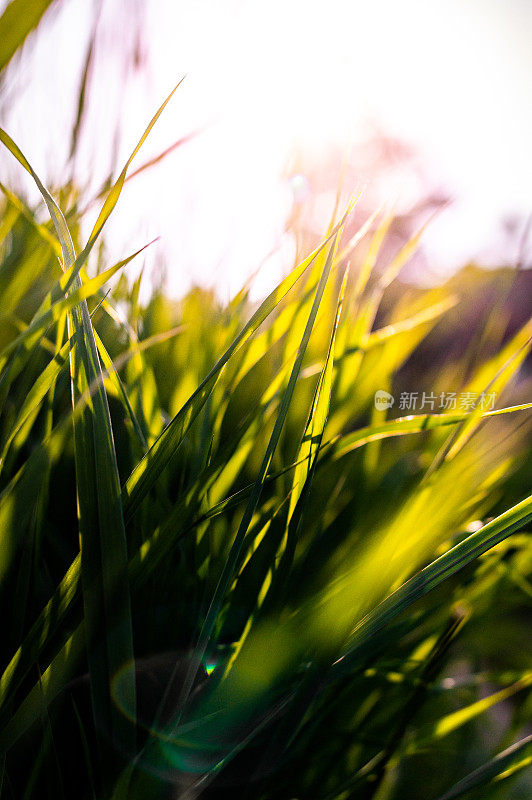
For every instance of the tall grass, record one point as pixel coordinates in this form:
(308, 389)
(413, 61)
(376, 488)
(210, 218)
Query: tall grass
(223, 569)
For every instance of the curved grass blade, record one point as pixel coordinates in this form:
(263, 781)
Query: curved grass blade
(514, 758)
(45, 234)
(426, 315)
(67, 248)
(69, 256)
(17, 501)
(415, 423)
(114, 193)
(44, 383)
(40, 323)
(442, 727)
(511, 521)
(512, 356)
(51, 684)
(106, 597)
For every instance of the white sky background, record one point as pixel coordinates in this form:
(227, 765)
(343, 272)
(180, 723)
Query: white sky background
(452, 77)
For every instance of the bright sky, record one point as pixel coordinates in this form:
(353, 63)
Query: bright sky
(452, 77)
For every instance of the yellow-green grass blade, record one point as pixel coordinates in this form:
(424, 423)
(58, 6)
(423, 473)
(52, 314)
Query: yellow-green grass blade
(23, 354)
(17, 501)
(373, 364)
(425, 315)
(261, 344)
(317, 419)
(392, 270)
(158, 545)
(378, 766)
(475, 545)
(50, 239)
(52, 682)
(141, 567)
(149, 413)
(415, 423)
(352, 339)
(114, 193)
(67, 248)
(48, 313)
(69, 257)
(44, 383)
(30, 708)
(18, 20)
(107, 609)
(346, 252)
(32, 333)
(434, 731)
(492, 377)
(512, 358)
(106, 597)
(150, 467)
(64, 663)
(370, 260)
(52, 615)
(111, 371)
(8, 221)
(45, 234)
(44, 342)
(497, 412)
(258, 350)
(503, 765)
(302, 309)
(404, 255)
(46, 380)
(38, 262)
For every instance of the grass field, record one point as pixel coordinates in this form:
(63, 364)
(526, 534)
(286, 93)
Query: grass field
(225, 569)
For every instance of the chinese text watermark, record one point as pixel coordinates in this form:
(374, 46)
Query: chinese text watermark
(441, 401)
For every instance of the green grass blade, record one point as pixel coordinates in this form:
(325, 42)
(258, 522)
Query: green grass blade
(434, 574)
(426, 315)
(435, 731)
(415, 423)
(18, 20)
(32, 333)
(53, 681)
(114, 193)
(312, 437)
(44, 383)
(18, 500)
(514, 758)
(102, 534)
(45, 234)
(67, 248)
